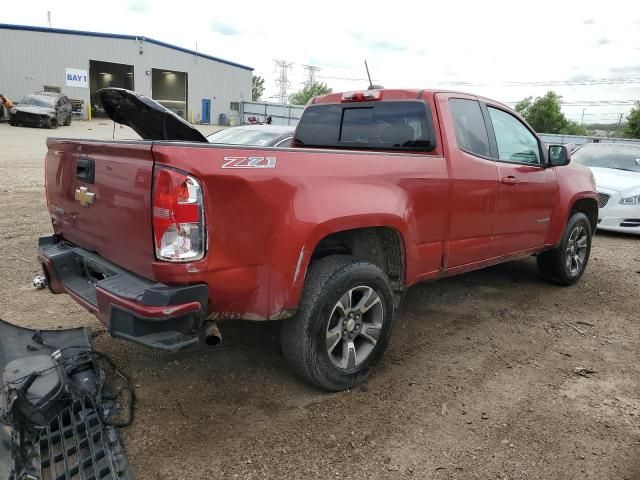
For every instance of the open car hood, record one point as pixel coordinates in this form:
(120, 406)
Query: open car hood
(146, 117)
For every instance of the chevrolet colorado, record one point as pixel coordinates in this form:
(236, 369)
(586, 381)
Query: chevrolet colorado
(162, 238)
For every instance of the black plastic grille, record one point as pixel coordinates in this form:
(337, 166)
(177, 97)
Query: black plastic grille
(77, 446)
(630, 222)
(603, 199)
(27, 117)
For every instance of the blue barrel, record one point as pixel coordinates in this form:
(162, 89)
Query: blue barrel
(222, 120)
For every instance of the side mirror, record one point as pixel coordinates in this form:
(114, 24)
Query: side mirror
(559, 155)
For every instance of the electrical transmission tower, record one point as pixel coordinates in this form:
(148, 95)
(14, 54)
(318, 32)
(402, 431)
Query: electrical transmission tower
(283, 79)
(311, 74)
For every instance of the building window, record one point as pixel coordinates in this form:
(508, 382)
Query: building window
(234, 106)
(49, 88)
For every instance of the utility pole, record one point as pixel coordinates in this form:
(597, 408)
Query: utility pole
(283, 79)
(49, 18)
(311, 74)
(582, 119)
(619, 123)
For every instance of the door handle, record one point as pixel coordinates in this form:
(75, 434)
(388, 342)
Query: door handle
(85, 170)
(510, 180)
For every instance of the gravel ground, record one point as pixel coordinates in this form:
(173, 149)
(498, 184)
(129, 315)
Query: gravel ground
(478, 382)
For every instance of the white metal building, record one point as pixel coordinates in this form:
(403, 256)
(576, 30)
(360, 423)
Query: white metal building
(197, 86)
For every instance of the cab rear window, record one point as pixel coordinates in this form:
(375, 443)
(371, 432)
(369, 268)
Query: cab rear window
(391, 125)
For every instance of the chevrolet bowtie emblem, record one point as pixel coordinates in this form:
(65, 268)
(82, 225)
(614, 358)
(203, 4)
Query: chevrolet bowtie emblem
(85, 197)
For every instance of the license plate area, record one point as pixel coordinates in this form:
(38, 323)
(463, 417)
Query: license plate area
(92, 271)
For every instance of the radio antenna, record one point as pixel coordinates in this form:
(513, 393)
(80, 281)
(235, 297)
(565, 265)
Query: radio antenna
(368, 75)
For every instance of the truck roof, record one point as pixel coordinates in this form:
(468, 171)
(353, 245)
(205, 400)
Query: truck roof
(401, 94)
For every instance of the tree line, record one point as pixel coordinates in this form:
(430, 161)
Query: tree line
(544, 114)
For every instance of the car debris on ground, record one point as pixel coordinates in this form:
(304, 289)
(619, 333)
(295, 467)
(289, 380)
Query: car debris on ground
(61, 404)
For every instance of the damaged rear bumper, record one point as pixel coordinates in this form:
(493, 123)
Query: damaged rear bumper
(131, 307)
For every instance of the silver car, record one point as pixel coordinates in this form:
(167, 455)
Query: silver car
(258, 135)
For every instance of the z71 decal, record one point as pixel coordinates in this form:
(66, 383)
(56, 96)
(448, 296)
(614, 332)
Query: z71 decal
(249, 162)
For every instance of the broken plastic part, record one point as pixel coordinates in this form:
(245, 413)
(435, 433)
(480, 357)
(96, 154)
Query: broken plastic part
(53, 422)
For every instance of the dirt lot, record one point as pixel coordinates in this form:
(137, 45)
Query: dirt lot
(478, 381)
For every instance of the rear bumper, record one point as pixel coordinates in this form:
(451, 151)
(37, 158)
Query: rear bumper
(131, 307)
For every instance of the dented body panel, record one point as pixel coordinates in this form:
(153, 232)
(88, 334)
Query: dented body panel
(267, 209)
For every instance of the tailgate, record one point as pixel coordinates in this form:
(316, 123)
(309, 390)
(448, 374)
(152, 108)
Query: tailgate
(99, 198)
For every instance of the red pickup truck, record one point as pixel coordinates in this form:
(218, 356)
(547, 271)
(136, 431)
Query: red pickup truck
(163, 237)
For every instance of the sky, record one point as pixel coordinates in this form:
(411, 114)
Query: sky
(587, 51)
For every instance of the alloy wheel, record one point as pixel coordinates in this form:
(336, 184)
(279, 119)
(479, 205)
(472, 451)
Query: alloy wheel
(576, 250)
(354, 327)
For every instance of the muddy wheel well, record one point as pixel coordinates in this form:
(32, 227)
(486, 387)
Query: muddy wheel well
(381, 246)
(589, 207)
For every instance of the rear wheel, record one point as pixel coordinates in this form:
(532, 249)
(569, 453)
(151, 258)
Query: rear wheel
(343, 324)
(566, 263)
(67, 121)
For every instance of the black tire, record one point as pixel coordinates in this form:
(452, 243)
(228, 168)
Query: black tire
(53, 123)
(304, 337)
(68, 121)
(555, 264)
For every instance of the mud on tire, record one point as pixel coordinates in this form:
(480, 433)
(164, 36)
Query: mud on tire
(345, 304)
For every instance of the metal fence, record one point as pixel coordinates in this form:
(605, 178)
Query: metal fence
(555, 139)
(280, 114)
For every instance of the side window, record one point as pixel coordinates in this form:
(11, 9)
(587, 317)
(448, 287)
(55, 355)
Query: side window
(471, 132)
(515, 142)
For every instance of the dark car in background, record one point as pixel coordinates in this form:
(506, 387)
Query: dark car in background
(259, 135)
(42, 109)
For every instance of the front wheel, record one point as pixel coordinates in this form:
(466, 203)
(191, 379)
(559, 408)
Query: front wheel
(343, 323)
(566, 263)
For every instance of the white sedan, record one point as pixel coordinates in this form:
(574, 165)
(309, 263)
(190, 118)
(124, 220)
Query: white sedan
(616, 167)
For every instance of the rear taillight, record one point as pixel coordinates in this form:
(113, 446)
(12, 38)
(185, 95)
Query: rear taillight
(178, 216)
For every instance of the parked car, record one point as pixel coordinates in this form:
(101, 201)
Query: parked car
(42, 109)
(383, 189)
(259, 135)
(616, 167)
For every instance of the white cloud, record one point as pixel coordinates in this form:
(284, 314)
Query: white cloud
(413, 44)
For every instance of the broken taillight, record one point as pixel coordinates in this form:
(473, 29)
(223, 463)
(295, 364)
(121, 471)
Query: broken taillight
(178, 216)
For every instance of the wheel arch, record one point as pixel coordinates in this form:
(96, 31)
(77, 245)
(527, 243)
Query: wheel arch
(380, 243)
(585, 202)
(589, 207)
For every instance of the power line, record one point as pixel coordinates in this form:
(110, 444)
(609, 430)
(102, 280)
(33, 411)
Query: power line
(283, 80)
(549, 83)
(597, 103)
(593, 114)
(350, 79)
(589, 103)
